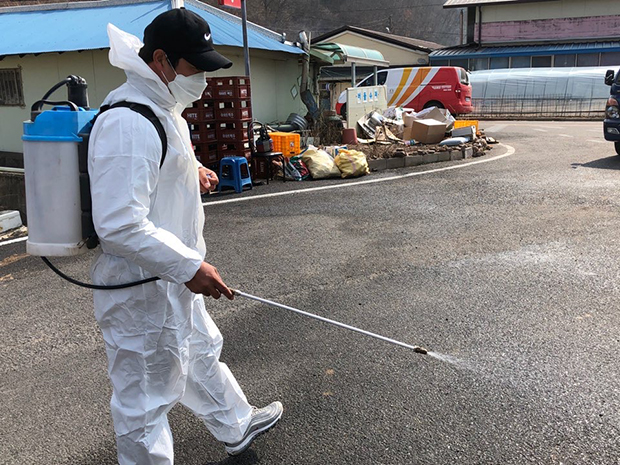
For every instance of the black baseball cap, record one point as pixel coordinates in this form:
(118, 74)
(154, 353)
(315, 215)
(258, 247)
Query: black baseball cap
(187, 35)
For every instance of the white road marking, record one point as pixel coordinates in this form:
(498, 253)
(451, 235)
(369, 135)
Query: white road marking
(13, 241)
(510, 151)
(565, 135)
(598, 141)
(540, 130)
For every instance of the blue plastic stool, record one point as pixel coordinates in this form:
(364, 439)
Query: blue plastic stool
(234, 172)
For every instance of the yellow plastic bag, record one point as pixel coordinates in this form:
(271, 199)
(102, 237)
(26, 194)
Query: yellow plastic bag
(320, 164)
(351, 163)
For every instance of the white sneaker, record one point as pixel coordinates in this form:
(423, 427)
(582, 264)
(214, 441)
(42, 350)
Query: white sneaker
(262, 420)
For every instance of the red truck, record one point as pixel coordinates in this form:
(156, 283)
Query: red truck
(418, 88)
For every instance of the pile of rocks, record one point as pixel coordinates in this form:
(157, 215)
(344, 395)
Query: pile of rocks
(397, 155)
(477, 148)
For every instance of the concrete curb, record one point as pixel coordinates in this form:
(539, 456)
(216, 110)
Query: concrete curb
(9, 219)
(381, 164)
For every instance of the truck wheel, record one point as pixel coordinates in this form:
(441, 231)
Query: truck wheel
(434, 103)
(618, 148)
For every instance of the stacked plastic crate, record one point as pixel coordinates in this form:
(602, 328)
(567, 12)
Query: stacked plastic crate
(233, 113)
(202, 125)
(219, 121)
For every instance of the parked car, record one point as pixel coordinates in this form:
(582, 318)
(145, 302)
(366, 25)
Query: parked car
(419, 88)
(611, 125)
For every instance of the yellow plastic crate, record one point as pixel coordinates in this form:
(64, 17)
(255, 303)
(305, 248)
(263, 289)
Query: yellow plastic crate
(466, 123)
(288, 143)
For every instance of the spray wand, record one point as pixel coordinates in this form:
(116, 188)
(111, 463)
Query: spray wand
(417, 349)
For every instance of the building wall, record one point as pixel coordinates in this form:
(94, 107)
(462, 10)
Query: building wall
(273, 76)
(594, 27)
(395, 54)
(558, 20)
(550, 10)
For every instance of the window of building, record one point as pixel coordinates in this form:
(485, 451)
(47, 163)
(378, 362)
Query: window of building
(587, 59)
(441, 63)
(11, 91)
(478, 64)
(565, 61)
(499, 63)
(520, 62)
(541, 62)
(610, 59)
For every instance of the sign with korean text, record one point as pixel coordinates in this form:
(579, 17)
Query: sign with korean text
(230, 3)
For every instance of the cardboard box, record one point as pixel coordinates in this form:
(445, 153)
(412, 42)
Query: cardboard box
(408, 119)
(440, 115)
(426, 131)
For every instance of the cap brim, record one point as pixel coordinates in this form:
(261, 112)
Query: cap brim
(208, 61)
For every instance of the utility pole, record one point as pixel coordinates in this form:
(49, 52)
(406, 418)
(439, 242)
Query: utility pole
(240, 4)
(246, 48)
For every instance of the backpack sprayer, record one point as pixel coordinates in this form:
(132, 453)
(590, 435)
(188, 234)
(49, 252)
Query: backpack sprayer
(58, 197)
(58, 200)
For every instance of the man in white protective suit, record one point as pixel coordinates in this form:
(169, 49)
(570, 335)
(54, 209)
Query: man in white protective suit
(161, 344)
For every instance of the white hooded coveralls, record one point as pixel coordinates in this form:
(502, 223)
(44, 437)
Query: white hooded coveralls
(161, 344)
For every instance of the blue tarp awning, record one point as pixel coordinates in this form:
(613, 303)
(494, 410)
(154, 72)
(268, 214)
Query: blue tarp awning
(72, 27)
(474, 51)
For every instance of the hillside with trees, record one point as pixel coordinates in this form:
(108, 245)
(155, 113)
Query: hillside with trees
(421, 19)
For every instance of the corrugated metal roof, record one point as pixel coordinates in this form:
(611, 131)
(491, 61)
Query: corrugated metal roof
(408, 42)
(473, 51)
(82, 26)
(227, 30)
(342, 54)
(467, 3)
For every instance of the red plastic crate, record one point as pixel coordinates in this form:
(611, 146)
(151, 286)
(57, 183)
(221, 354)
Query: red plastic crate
(201, 111)
(240, 149)
(258, 168)
(232, 87)
(207, 153)
(233, 110)
(203, 133)
(208, 93)
(230, 81)
(233, 132)
(240, 146)
(227, 93)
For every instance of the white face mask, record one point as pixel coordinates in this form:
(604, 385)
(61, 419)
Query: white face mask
(187, 89)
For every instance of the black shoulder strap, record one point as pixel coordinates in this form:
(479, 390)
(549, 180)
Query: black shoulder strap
(145, 111)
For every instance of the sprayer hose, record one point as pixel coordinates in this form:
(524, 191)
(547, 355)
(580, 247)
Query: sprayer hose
(95, 286)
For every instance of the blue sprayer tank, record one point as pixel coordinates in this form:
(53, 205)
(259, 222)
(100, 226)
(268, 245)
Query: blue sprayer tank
(52, 173)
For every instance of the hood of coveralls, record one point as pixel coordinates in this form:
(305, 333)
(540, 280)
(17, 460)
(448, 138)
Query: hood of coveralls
(124, 48)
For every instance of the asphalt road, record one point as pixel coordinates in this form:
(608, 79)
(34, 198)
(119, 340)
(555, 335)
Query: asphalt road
(507, 269)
